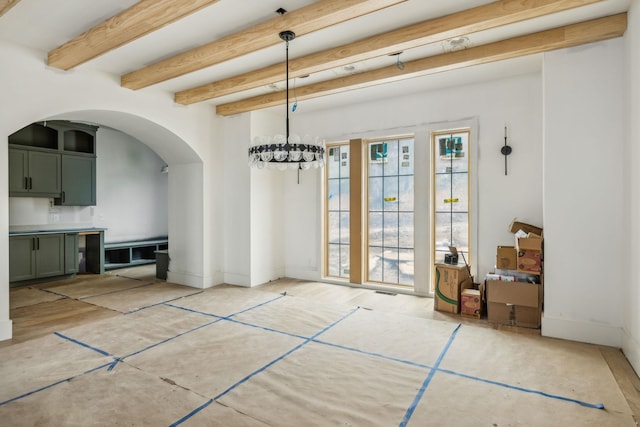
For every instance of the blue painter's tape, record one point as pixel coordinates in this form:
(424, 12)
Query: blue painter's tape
(369, 353)
(159, 303)
(449, 372)
(192, 413)
(193, 311)
(13, 399)
(425, 384)
(276, 360)
(219, 316)
(117, 290)
(257, 371)
(526, 390)
(169, 339)
(97, 350)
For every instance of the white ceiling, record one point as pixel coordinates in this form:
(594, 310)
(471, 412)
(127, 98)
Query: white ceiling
(45, 24)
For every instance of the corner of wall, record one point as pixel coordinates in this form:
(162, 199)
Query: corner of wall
(631, 350)
(6, 329)
(583, 331)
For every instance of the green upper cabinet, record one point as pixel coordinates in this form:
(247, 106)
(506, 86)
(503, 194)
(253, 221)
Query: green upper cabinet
(34, 173)
(44, 173)
(78, 181)
(54, 159)
(18, 171)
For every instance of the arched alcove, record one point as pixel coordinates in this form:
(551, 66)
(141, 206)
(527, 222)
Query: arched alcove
(185, 193)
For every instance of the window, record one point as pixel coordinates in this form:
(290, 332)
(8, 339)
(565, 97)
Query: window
(337, 211)
(390, 216)
(451, 193)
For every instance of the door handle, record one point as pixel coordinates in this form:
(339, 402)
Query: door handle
(33, 243)
(38, 243)
(63, 197)
(26, 183)
(30, 183)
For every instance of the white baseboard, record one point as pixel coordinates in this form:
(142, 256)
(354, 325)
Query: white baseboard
(589, 332)
(302, 273)
(6, 329)
(187, 279)
(631, 349)
(237, 279)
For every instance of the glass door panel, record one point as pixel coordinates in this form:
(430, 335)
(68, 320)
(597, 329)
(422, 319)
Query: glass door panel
(390, 211)
(338, 197)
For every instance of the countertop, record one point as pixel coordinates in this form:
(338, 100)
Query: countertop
(24, 230)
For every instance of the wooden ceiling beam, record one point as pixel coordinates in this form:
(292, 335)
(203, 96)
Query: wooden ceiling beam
(559, 38)
(316, 16)
(434, 30)
(5, 5)
(142, 18)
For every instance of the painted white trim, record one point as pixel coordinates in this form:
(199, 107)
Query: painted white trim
(237, 279)
(576, 330)
(195, 281)
(303, 273)
(6, 329)
(631, 349)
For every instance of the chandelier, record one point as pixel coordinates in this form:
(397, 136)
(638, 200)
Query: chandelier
(286, 151)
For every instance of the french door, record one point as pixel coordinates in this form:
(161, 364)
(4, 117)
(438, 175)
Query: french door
(369, 215)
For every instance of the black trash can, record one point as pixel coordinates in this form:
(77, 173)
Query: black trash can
(162, 264)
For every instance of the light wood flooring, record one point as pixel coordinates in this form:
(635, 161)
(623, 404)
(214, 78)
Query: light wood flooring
(37, 317)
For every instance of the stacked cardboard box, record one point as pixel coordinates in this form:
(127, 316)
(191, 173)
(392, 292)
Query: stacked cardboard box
(514, 292)
(471, 303)
(451, 280)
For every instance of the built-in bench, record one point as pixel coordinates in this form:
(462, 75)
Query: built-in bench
(128, 254)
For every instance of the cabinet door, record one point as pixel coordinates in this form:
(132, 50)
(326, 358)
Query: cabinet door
(78, 181)
(22, 261)
(44, 174)
(18, 171)
(71, 261)
(49, 255)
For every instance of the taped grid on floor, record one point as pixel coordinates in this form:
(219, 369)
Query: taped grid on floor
(432, 370)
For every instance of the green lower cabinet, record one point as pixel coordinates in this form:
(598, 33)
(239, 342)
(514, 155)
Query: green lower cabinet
(22, 258)
(36, 256)
(71, 249)
(49, 255)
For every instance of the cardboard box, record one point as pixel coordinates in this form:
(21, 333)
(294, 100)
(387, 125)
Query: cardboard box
(450, 281)
(529, 257)
(506, 257)
(514, 303)
(533, 242)
(471, 303)
(515, 226)
(530, 262)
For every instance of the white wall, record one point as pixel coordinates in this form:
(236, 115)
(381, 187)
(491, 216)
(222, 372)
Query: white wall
(515, 101)
(268, 227)
(131, 190)
(237, 202)
(631, 295)
(584, 200)
(180, 135)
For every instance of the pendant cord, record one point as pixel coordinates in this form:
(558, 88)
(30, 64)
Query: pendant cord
(287, 88)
